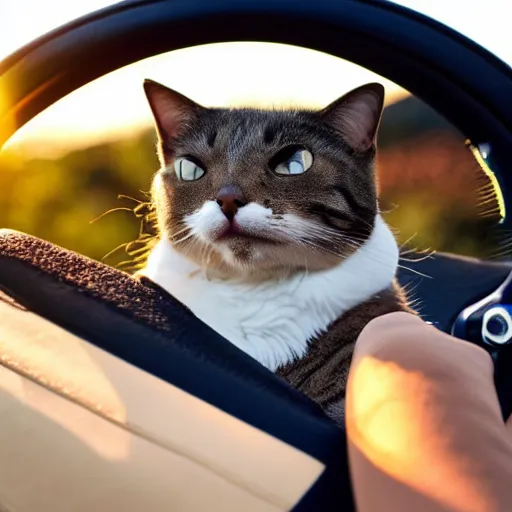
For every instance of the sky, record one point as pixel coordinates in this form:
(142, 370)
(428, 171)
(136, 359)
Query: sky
(115, 104)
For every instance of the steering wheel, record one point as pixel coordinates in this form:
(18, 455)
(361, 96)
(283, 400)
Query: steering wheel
(430, 60)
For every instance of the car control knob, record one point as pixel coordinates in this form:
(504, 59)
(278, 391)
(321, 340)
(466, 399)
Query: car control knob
(497, 325)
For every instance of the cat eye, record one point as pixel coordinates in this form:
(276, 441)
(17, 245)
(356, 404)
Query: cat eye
(187, 170)
(298, 163)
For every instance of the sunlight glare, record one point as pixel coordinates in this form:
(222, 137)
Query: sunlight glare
(6, 120)
(115, 104)
(397, 438)
(258, 74)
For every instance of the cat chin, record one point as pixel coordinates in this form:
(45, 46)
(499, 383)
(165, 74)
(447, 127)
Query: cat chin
(257, 262)
(245, 264)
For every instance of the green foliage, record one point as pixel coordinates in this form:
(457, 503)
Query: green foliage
(58, 199)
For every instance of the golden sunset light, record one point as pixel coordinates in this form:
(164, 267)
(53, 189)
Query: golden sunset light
(258, 74)
(255, 255)
(115, 103)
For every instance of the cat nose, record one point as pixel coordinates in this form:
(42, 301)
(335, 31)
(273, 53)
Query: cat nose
(230, 199)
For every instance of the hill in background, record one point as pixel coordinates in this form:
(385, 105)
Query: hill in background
(429, 183)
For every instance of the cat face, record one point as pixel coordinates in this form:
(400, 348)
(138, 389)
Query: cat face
(257, 193)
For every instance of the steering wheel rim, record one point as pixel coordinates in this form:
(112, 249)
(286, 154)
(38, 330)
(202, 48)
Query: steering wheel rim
(429, 59)
(386, 38)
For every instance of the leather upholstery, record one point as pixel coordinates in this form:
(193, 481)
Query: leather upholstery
(163, 359)
(83, 430)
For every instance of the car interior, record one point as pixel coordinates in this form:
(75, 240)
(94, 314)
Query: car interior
(113, 395)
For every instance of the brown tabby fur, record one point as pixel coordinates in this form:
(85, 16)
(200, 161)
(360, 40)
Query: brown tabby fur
(238, 148)
(322, 374)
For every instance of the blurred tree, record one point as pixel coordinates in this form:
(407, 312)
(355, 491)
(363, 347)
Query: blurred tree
(429, 185)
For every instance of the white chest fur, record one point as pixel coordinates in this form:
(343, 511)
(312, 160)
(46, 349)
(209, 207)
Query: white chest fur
(273, 322)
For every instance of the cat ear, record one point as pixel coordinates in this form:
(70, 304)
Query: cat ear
(356, 116)
(171, 110)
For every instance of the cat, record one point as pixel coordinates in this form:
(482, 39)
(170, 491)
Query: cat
(270, 230)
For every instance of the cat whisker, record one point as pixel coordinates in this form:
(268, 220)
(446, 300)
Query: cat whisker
(376, 260)
(319, 232)
(189, 235)
(431, 253)
(417, 272)
(346, 239)
(408, 240)
(183, 230)
(205, 256)
(308, 236)
(183, 239)
(138, 201)
(355, 245)
(112, 210)
(330, 234)
(113, 251)
(315, 246)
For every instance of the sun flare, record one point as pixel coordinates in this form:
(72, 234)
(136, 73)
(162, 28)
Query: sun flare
(115, 105)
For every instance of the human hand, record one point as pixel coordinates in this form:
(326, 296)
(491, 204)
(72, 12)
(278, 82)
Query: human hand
(424, 426)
